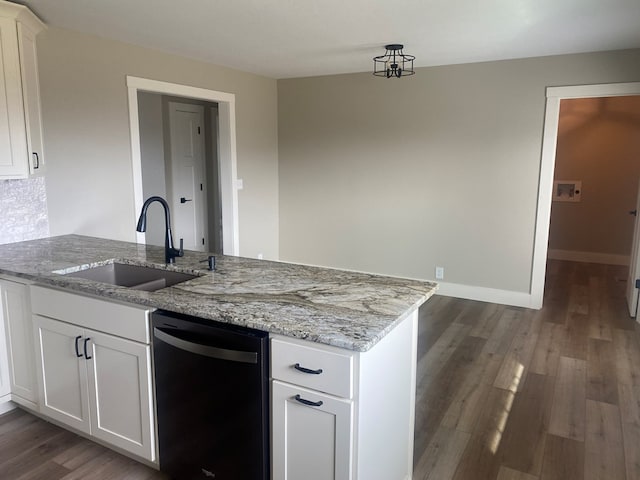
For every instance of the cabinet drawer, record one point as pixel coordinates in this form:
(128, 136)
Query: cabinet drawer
(289, 359)
(128, 321)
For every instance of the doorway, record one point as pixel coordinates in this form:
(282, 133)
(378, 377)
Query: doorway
(179, 154)
(547, 166)
(596, 176)
(226, 148)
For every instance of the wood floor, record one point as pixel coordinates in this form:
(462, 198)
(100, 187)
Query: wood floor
(32, 449)
(513, 394)
(503, 394)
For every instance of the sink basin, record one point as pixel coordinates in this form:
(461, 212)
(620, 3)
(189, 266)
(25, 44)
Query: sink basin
(136, 277)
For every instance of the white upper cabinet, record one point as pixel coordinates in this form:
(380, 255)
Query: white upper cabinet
(21, 151)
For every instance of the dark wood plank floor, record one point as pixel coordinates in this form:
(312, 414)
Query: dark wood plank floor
(503, 393)
(32, 449)
(511, 394)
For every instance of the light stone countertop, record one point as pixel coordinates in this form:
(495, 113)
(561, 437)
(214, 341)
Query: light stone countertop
(341, 308)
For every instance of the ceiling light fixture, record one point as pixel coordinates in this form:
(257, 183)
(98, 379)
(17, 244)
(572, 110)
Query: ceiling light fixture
(393, 63)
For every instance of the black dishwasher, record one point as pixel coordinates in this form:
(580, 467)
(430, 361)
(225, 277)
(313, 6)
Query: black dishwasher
(212, 400)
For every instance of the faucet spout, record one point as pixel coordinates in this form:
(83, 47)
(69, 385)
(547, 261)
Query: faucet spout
(170, 252)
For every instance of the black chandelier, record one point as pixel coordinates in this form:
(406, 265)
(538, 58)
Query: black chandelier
(393, 63)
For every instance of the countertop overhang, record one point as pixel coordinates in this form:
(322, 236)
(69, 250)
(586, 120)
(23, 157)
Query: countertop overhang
(345, 309)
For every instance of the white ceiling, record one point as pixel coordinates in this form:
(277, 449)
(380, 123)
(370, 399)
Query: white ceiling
(296, 38)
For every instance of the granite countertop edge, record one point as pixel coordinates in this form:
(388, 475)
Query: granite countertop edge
(345, 309)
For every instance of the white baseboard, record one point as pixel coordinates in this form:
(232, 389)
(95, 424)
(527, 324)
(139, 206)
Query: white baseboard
(525, 299)
(492, 295)
(588, 257)
(468, 292)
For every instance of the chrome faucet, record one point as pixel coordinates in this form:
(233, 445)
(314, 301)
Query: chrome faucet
(170, 253)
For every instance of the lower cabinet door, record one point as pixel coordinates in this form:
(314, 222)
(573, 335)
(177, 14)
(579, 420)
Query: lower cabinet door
(312, 434)
(61, 371)
(5, 385)
(119, 376)
(16, 310)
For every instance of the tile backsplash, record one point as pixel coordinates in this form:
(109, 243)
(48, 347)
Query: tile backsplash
(23, 210)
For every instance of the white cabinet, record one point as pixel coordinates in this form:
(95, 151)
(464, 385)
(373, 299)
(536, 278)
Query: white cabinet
(21, 149)
(344, 415)
(16, 317)
(119, 380)
(312, 411)
(5, 387)
(95, 381)
(62, 373)
(312, 434)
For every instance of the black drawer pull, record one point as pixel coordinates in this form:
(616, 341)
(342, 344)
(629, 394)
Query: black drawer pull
(86, 355)
(78, 354)
(307, 370)
(308, 402)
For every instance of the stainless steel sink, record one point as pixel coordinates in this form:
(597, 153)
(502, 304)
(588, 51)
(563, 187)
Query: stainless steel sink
(136, 277)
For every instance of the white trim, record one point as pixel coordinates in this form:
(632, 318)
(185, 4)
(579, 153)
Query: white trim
(588, 257)
(228, 171)
(178, 90)
(484, 294)
(24, 15)
(136, 155)
(228, 158)
(547, 165)
(469, 292)
(590, 91)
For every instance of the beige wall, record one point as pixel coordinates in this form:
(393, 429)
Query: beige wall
(398, 176)
(85, 114)
(599, 144)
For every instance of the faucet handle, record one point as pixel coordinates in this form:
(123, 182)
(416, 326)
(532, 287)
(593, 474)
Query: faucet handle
(181, 251)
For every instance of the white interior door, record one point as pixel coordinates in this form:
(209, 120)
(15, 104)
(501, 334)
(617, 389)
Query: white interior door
(187, 181)
(634, 264)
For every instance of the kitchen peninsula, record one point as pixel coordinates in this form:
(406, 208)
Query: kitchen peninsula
(365, 323)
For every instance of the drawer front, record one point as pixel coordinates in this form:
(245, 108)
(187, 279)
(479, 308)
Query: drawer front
(127, 321)
(295, 363)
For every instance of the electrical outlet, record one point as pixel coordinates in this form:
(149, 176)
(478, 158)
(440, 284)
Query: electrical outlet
(439, 273)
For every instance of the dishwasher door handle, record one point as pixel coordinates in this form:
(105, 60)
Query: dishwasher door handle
(206, 350)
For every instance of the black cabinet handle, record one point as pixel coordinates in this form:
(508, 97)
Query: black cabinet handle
(86, 355)
(308, 402)
(307, 370)
(78, 354)
(36, 164)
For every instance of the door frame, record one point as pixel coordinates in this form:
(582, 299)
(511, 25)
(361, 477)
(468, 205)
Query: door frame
(547, 167)
(226, 148)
